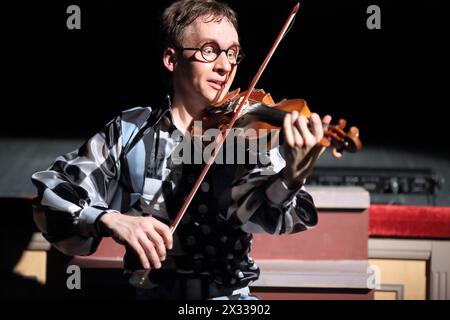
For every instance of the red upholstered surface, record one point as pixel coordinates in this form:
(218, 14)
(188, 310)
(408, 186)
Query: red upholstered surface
(409, 221)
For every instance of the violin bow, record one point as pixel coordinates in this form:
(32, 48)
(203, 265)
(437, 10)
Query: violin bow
(221, 138)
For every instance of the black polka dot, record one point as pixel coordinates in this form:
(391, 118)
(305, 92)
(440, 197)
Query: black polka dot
(206, 229)
(191, 241)
(205, 187)
(210, 250)
(203, 208)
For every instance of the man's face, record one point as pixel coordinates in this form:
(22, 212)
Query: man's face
(197, 82)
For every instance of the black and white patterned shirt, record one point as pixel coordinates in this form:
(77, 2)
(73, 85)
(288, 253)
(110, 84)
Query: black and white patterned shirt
(128, 166)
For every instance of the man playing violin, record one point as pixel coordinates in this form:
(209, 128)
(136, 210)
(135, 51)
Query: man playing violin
(124, 183)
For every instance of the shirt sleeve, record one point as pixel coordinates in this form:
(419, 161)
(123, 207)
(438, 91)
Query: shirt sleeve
(75, 191)
(262, 203)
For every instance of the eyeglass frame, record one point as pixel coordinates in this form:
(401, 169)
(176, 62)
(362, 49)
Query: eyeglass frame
(220, 50)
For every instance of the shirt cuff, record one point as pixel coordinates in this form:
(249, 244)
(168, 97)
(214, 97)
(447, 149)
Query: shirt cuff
(279, 193)
(89, 217)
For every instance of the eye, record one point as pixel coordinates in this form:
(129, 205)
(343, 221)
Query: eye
(208, 50)
(232, 52)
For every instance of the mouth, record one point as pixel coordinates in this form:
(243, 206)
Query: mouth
(216, 84)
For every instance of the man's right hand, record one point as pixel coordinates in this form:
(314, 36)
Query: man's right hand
(146, 235)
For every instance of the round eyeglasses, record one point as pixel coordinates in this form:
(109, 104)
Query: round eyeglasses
(211, 51)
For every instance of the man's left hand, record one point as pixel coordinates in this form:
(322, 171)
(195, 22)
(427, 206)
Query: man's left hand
(302, 146)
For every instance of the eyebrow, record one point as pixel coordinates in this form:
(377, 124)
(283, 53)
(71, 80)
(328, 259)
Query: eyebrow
(208, 40)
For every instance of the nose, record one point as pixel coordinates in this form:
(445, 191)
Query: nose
(222, 64)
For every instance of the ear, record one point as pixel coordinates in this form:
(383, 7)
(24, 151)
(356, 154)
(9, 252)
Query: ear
(170, 59)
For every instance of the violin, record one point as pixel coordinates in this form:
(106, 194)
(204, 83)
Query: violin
(262, 115)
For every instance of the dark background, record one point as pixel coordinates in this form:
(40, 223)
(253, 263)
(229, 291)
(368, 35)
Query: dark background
(390, 82)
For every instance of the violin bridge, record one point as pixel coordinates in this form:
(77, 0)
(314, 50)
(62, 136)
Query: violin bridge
(244, 108)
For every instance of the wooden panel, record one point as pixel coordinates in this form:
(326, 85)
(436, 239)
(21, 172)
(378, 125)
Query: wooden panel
(385, 295)
(341, 233)
(33, 264)
(313, 274)
(409, 273)
(338, 236)
(316, 295)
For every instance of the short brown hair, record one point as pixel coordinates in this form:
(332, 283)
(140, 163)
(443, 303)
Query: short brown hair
(182, 13)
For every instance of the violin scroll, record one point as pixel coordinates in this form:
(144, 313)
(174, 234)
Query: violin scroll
(340, 140)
